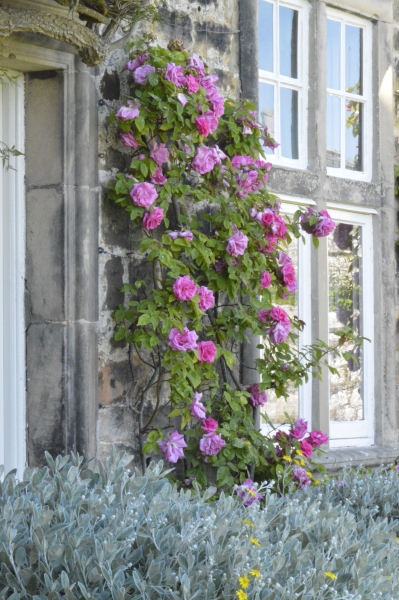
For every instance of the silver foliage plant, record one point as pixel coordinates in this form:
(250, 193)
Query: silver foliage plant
(97, 531)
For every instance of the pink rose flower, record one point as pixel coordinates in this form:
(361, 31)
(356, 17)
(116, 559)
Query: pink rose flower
(279, 228)
(184, 288)
(182, 341)
(237, 243)
(219, 155)
(158, 177)
(279, 332)
(127, 113)
(299, 429)
(257, 398)
(283, 258)
(216, 101)
(141, 74)
(128, 140)
(143, 194)
(307, 449)
(267, 218)
(209, 425)
(206, 298)
(238, 161)
(263, 315)
(317, 438)
(153, 219)
(208, 83)
(211, 444)
(204, 160)
(206, 123)
(136, 62)
(173, 447)
(159, 154)
(206, 352)
(289, 277)
(197, 409)
(182, 99)
(192, 84)
(265, 280)
(174, 74)
(195, 62)
(278, 314)
(325, 225)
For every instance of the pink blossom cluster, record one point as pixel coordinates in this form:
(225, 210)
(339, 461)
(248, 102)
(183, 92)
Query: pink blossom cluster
(319, 224)
(237, 243)
(287, 272)
(274, 224)
(187, 340)
(207, 158)
(144, 194)
(268, 141)
(313, 440)
(252, 175)
(248, 125)
(185, 288)
(279, 321)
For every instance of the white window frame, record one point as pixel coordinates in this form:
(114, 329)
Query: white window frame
(360, 433)
(366, 99)
(300, 84)
(289, 206)
(12, 279)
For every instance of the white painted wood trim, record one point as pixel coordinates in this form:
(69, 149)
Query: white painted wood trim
(300, 84)
(361, 433)
(345, 18)
(12, 280)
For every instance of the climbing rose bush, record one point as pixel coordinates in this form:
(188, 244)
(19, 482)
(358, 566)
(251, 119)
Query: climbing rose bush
(217, 246)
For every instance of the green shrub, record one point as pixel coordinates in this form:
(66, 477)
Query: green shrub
(71, 530)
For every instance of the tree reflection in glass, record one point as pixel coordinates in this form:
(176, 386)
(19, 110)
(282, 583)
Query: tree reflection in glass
(345, 308)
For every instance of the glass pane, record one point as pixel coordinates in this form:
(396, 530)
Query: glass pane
(333, 54)
(354, 135)
(276, 407)
(345, 308)
(353, 59)
(289, 122)
(288, 42)
(266, 109)
(333, 131)
(265, 36)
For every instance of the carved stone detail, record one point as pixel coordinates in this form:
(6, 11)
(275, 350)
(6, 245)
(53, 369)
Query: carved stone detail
(90, 47)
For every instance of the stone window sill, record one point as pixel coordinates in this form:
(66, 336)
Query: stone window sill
(336, 459)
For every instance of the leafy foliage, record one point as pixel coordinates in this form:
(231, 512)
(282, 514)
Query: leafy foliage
(197, 157)
(71, 530)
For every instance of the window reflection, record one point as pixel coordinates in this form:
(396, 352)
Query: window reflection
(265, 36)
(354, 135)
(333, 131)
(345, 308)
(353, 59)
(266, 109)
(289, 122)
(276, 407)
(288, 42)
(333, 54)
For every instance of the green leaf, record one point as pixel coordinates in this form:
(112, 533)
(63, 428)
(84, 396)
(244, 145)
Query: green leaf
(144, 319)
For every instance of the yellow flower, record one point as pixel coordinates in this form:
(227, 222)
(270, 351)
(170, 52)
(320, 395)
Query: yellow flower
(389, 577)
(254, 541)
(250, 492)
(248, 522)
(316, 482)
(244, 582)
(309, 474)
(241, 595)
(297, 462)
(287, 458)
(330, 575)
(299, 452)
(255, 573)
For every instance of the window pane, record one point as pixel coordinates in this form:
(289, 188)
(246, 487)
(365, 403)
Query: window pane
(345, 308)
(265, 36)
(333, 131)
(353, 59)
(289, 122)
(333, 54)
(276, 407)
(266, 109)
(288, 42)
(354, 136)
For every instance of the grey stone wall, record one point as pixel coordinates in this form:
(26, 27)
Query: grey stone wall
(211, 27)
(396, 134)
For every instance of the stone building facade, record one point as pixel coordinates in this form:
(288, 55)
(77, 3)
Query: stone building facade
(67, 385)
